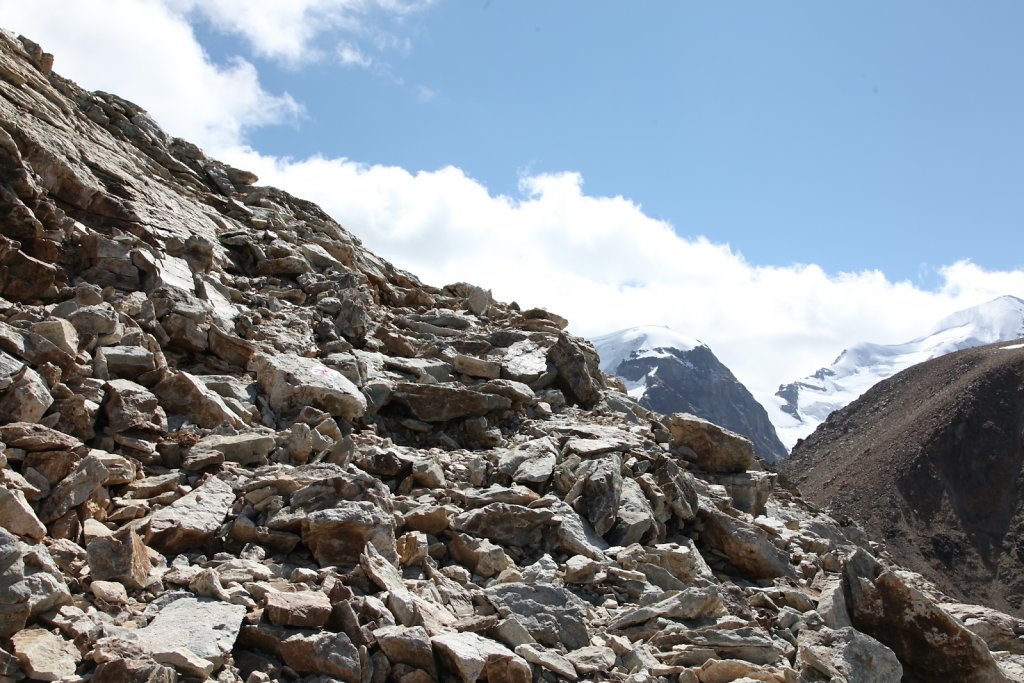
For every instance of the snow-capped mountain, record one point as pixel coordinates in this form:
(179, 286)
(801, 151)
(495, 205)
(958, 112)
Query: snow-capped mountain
(670, 372)
(805, 403)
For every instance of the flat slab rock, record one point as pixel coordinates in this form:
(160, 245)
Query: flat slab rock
(205, 628)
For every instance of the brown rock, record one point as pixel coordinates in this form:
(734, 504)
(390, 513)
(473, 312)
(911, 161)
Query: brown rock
(183, 394)
(716, 449)
(305, 609)
(121, 557)
(133, 406)
(439, 403)
(44, 656)
(338, 535)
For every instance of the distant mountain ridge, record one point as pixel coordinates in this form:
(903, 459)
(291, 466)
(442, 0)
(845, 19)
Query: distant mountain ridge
(669, 372)
(930, 460)
(806, 403)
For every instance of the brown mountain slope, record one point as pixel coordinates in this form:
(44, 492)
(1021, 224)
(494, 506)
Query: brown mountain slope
(931, 459)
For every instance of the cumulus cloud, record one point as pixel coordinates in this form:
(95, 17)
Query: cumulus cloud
(142, 50)
(289, 31)
(607, 265)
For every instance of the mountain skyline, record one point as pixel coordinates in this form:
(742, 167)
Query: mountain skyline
(380, 120)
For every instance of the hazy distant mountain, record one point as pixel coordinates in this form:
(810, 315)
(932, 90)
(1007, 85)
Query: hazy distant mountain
(671, 373)
(806, 403)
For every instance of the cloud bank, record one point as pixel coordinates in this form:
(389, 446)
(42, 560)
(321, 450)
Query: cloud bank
(601, 261)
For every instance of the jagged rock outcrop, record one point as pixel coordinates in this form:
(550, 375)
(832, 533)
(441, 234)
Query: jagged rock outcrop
(930, 460)
(668, 373)
(237, 446)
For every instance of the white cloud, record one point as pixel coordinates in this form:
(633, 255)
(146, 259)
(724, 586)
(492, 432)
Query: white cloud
(141, 50)
(288, 30)
(606, 265)
(351, 55)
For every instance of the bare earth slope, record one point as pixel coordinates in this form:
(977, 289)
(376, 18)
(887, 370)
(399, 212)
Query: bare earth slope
(931, 460)
(237, 446)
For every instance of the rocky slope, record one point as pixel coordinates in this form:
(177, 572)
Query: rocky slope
(237, 446)
(804, 404)
(669, 373)
(931, 460)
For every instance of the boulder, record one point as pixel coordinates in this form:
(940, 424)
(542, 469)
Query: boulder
(121, 556)
(30, 583)
(930, 643)
(439, 403)
(44, 656)
(715, 448)
(848, 655)
(470, 656)
(133, 406)
(291, 382)
(192, 520)
(183, 394)
(748, 547)
(551, 614)
(337, 536)
(304, 609)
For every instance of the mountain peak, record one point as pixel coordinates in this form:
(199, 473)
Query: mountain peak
(640, 342)
(808, 401)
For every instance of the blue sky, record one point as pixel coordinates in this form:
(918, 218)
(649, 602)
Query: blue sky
(779, 180)
(851, 135)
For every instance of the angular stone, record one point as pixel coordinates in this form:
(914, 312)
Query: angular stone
(748, 547)
(578, 375)
(96, 320)
(109, 591)
(44, 656)
(410, 646)
(690, 604)
(931, 644)
(133, 406)
(597, 490)
(36, 437)
(183, 394)
(999, 631)
(192, 520)
(592, 659)
(505, 524)
(526, 362)
(550, 613)
(121, 557)
(476, 367)
(716, 448)
(470, 656)
(325, 653)
(27, 399)
(337, 536)
(634, 519)
(60, 333)
(30, 583)
(847, 654)
(250, 448)
(74, 489)
(206, 629)
(439, 403)
(18, 517)
(127, 362)
(305, 609)
(292, 382)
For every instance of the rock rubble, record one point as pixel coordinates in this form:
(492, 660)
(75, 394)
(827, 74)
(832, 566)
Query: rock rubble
(238, 446)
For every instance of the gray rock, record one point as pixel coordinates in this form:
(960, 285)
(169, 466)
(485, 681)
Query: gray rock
(847, 654)
(30, 583)
(748, 547)
(551, 614)
(291, 382)
(193, 519)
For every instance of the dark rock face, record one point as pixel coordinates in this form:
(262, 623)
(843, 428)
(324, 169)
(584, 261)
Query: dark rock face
(931, 460)
(696, 382)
